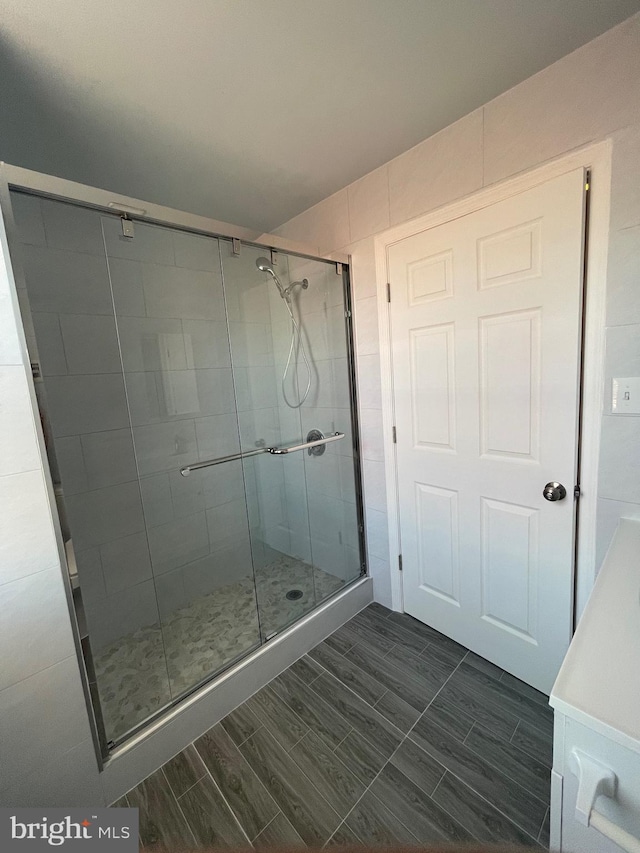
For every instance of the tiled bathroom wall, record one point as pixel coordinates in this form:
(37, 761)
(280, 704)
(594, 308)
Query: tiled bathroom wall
(590, 95)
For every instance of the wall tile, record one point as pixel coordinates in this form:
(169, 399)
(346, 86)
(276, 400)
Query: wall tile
(90, 343)
(27, 214)
(380, 573)
(165, 447)
(326, 225)
(179, 542)
(375, 493)
(224, 567)
(622, 356)
(608, 515)
(35, 631)
(371, 437)
(181, 293)
(377, 533)
(217, 436)
(150, 343)
(53, 361)
(152, 243)
(68, 282)
(122, 614)
(625, 191)
(366, 320)
(102, 515)
(584, 96)
(108, 458)
(196, 252)
(18, 444)
(363, 268)
(620, 458)
(226, 522)
(369, 204)
(27, 542)
(126, 285)
(10, 349)
(623, 275)
(369, 394)
(156, 499)
(90, 575)
(34, 722)
(206, 343)
(444, 167)
(73, 474)
(125, 562)
(72, 780)
(81, 404)
(71, 227)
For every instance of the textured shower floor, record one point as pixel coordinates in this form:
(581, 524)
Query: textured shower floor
(141, 673)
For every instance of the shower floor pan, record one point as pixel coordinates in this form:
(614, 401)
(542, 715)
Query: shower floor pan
(143, 672)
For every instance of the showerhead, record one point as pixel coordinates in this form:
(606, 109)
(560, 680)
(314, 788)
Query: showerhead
(264, 265)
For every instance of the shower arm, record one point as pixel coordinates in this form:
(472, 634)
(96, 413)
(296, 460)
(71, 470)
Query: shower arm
(274, 451)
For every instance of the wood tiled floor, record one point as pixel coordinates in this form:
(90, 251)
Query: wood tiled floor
(387, 732)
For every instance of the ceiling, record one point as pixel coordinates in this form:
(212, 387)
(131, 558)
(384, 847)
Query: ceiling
(250, 111)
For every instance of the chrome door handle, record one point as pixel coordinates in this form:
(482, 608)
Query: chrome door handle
(554, 492)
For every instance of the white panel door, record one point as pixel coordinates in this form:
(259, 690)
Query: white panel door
(485, 329)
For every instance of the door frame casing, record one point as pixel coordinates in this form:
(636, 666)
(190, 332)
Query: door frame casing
(597, 159)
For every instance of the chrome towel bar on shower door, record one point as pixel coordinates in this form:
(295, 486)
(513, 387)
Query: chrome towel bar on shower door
(274, 451)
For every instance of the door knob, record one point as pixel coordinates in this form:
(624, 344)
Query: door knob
(554, 492)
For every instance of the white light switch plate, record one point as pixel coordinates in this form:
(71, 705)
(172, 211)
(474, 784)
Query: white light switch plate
(625, 399)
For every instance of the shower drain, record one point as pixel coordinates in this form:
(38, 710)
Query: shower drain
(294, 594)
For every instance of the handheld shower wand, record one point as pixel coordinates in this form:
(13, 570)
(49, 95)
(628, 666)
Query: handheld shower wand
(297, 343)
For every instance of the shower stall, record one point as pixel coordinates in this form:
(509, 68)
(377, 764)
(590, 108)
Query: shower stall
(196, 393)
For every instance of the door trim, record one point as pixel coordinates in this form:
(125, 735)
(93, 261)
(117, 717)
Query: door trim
(596, 158)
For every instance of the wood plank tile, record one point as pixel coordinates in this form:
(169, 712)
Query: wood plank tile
(343, 837)
(416, 691)
(484, 665)
(534, 742)
(543, 837)
(478, 816)
(274, 713)
(379, 609)
(209, 817)
(418, 766)
(507, 796)
(306, 669)
(510, 760)
(252, 804)
(349, 673)
(500, 694)
(122, 803)
(314, 712)
(427, 820)
(278, 833)
(374, 824)
(342, 640)
(378, 730)
(525, 689)
(415, 627)
(161, 821)
(362, 634)
(184, 770)
(337, 784)
(301, 803)
(389, 630)
(448, 657)
(241, 723)
(360, 756)
(397, 711)
(432, 671)
(449, 717)
(459, 696)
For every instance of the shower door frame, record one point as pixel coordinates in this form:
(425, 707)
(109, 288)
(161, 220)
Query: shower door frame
(59, 189)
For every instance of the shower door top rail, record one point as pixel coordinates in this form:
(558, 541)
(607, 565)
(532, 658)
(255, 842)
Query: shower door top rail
(274, 451)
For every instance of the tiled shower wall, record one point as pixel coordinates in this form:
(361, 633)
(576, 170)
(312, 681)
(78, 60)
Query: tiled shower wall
(590, 95)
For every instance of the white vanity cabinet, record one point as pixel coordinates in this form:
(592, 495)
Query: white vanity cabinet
(595, 788)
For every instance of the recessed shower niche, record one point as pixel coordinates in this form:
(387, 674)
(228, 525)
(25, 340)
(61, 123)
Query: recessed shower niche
(179, 377)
